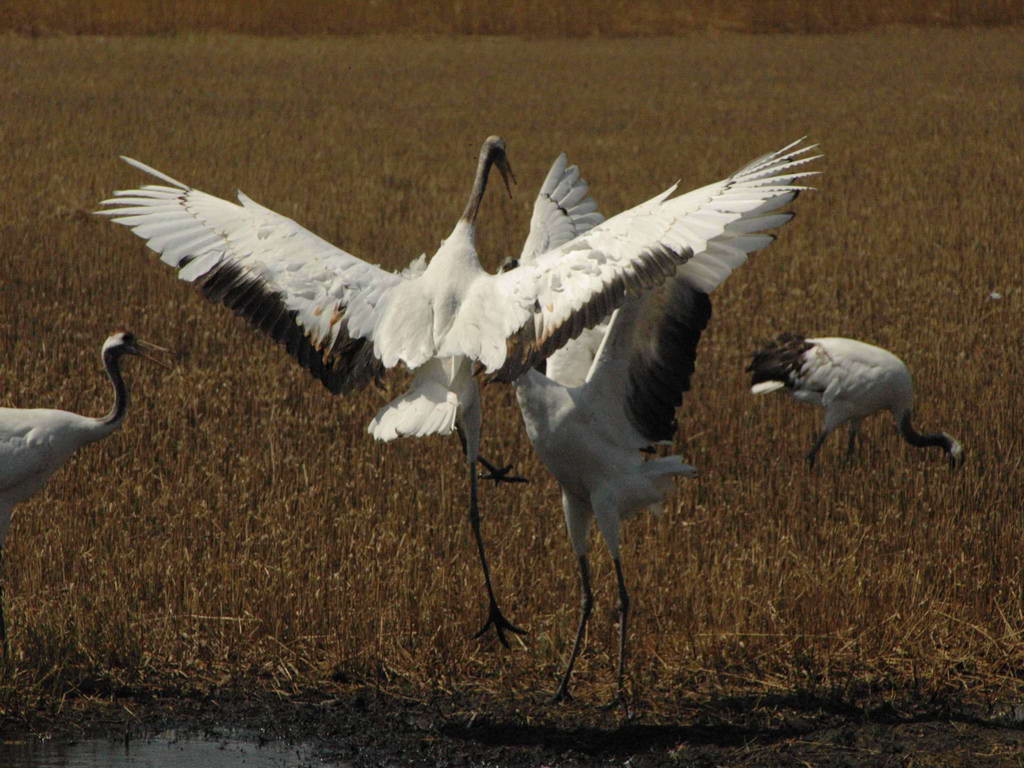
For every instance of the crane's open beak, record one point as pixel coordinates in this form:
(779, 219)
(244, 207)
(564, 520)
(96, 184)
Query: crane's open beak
(147, 350)
(506, 171)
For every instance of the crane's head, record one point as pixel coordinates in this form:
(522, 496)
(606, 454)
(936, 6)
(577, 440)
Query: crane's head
(122, 342)
(493, 151)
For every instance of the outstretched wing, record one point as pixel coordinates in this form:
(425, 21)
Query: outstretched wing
(286, 281)
(700, 236)
(649, 354)
(645, 363)
(562, 211)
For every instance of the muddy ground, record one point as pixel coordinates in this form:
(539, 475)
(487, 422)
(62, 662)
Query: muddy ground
(372, 727)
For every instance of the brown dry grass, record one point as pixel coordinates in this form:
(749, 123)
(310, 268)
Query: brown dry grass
(242, 526)
(533, 18)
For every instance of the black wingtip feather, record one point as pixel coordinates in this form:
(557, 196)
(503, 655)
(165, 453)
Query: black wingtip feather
(661, 367)
(248, 296)
(780, 359)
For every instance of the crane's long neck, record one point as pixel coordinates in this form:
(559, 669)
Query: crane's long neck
(483, 170)
(113, 419)
(934, 440)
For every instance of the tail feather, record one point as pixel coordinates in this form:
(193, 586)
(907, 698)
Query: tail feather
(778, 363)
(424, 410)
(644, 486)
(765, 387)
(660, 472)
(667, 466)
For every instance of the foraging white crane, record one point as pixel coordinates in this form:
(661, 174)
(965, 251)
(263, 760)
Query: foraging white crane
(348, 321)
(851, 380)
(590, 426)
(35, 442)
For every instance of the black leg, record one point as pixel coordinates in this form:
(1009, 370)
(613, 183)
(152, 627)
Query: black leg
(813, 453)
(851, 446)
(586, 607)
(3, 623)
(495, 617)
(620, 696)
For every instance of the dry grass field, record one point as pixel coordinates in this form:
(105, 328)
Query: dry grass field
(532, 18)
(242, 528)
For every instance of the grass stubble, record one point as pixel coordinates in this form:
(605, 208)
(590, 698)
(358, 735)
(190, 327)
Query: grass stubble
(242, 527)
(531, 18)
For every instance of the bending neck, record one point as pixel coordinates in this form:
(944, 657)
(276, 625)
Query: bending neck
(113, 419)
(919, 440)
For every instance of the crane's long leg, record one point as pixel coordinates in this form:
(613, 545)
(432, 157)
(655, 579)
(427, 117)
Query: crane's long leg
(586, 607)
(495, 617)
(3, 622)
(813, 453)
(851, 446)
(3, 627)
(623, 627)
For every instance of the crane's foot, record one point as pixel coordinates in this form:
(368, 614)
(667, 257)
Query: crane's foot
(620, 701)
(501, 625)
(499, 474)
(562, 694)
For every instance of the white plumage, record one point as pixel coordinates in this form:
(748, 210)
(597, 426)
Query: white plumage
(35, 442)
(850, 380)
(347, 320)
(596, 409)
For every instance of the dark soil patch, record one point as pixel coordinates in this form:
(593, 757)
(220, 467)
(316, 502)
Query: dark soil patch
(373, 727)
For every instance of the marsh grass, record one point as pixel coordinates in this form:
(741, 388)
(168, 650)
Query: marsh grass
(243, 527)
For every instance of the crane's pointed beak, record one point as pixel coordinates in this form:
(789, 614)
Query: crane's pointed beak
(149, 351)
(506, 172)
(956, 460)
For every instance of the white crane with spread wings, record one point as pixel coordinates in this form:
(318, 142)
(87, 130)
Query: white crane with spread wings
(348, 321)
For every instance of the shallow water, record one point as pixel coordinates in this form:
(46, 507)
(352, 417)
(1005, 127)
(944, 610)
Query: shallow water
(164, 750)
